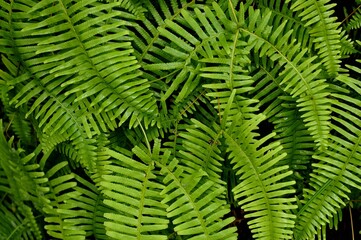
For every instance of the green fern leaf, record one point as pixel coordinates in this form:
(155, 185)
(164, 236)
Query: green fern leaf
(25, 179)
(13, 224)
(337, 168)
(133, 193)
(262, 190)
(298, 78)
(325, 31)
(355, 21)
(201, 151)
(196, 211)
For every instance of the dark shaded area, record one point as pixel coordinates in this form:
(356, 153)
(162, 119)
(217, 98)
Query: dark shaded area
(244, 233)
(345, 228)
(344, 231)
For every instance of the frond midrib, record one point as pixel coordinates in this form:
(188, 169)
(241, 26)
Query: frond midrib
(190, 200)
(154, 39)
(260, 182)
(329, 184)
(142, 199)
(309, 89)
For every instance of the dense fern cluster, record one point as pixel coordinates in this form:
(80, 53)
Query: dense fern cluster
(125, 119)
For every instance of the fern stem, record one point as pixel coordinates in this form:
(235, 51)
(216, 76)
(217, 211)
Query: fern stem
(351, 221)
(145, 136)
(352, 13)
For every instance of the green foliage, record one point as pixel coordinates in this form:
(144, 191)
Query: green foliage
(146, 120)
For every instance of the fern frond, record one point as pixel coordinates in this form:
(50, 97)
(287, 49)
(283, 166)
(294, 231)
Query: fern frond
(299, 74)
(355, 21)
(200, 150)
(281, 111)
(196, 103)
(85, 211)
(267, 88)
(280, 14)
(104, 63)
(13, 224)
(325, 31)
(132, 6)
(337, 171)
(17, 121)
(296, 140)
(185, 48)
(196, 211)
(61, 184)
(132, 191)
(25, 179)
(56, 112)
(49, 142)
(149, 43)
(262, 190)
(229, 77)
(347, 45)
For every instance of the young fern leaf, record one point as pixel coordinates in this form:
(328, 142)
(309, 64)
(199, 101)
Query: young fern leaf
(262, 190)
(347, 45)
(355, 21)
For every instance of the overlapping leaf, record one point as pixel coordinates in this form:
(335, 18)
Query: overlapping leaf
(263, 191)
(132, 191)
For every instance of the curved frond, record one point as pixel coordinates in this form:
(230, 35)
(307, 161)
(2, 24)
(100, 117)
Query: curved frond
(13, 224)
(133, 6)
(133, 192)
(100, 51)
(84, 210)
(355, 21)
(298, 75)
(281, 111)
(195, 210)
(347, 45)
(337, 170)
(75, 208)
(200, 150)
(25, 179)
(280, 14)
(318, 15)
(262, 190)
